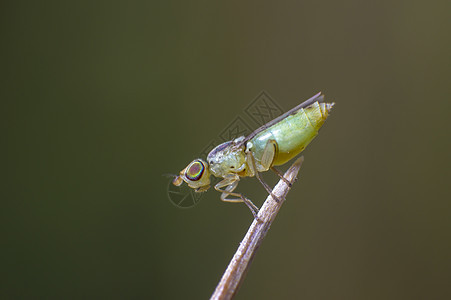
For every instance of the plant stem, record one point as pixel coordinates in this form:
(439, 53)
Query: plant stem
(238, 266)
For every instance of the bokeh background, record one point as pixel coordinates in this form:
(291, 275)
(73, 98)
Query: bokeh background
(99, 99)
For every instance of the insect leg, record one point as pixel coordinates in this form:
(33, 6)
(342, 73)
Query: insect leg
(281, 176)
(269, 153)
(268, 156)
(230, 183)
(251, 164)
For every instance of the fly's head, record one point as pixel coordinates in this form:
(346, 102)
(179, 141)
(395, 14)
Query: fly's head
(196, 175)
(226, 158)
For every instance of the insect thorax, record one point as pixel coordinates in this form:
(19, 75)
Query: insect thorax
(226, 158)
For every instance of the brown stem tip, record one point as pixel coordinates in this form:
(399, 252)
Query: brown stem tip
(236, 270)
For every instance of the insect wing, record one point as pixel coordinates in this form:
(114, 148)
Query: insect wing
(317, 98)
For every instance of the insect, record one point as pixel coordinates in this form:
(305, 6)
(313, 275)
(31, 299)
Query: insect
(273, 144)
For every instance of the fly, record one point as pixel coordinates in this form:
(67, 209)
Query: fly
(273, 144)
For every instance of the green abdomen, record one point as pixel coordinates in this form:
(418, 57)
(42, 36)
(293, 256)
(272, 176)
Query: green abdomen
(293, 133)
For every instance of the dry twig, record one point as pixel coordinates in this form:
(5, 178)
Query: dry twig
(236, 271)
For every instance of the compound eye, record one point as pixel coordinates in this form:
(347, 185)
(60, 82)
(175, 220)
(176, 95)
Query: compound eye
(195, 171)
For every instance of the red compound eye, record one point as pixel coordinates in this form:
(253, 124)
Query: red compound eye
(195, 171)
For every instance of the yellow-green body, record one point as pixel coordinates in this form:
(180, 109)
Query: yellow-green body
(291, 134)
(273, 144)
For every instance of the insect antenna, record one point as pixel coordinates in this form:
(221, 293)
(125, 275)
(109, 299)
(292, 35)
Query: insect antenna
(169, 175)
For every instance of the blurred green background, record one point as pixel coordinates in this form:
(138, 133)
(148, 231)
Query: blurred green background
(99, 99)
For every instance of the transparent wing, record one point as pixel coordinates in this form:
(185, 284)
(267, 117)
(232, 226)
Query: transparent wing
(317, 98)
